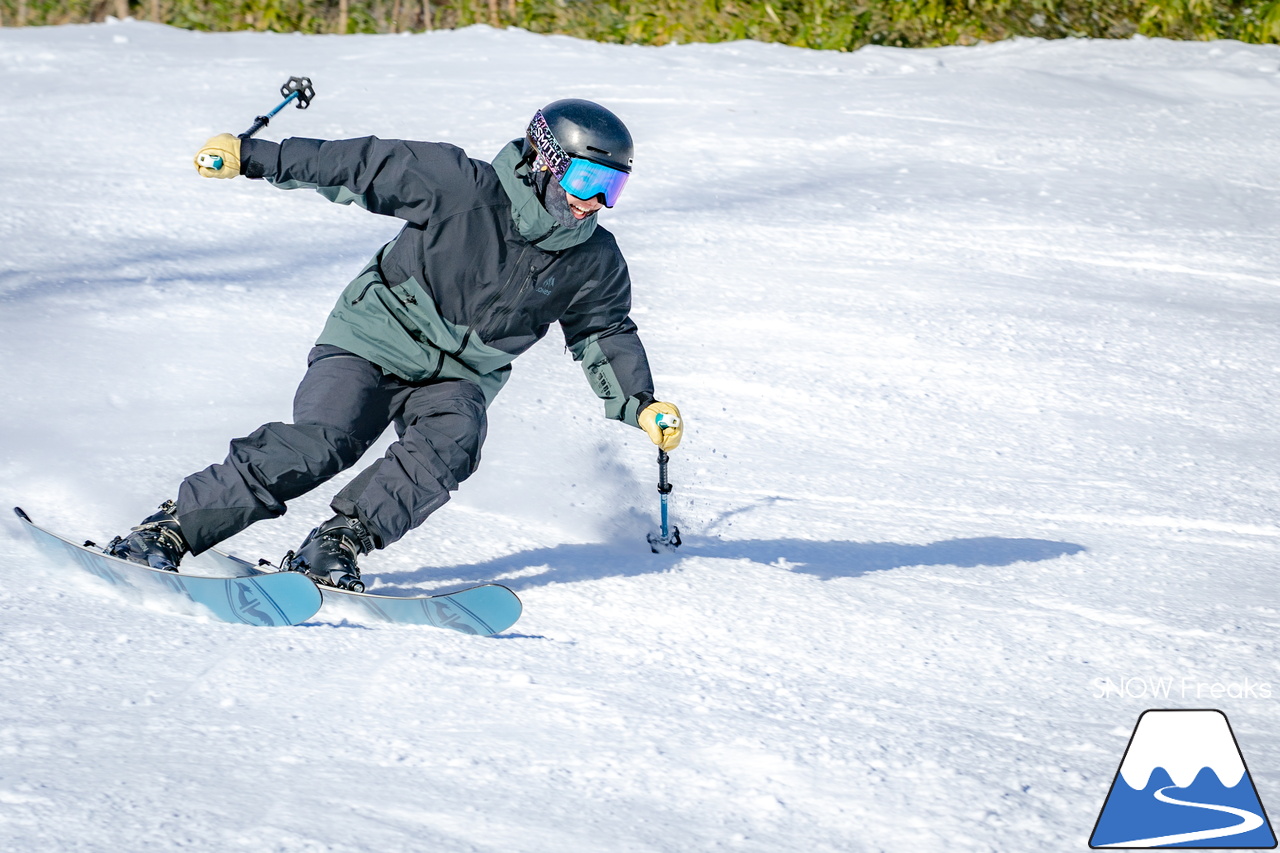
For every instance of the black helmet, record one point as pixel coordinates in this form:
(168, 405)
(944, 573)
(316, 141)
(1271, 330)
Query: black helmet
(587, 130)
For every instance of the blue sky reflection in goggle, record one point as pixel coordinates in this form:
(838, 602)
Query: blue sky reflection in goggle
(586, 180)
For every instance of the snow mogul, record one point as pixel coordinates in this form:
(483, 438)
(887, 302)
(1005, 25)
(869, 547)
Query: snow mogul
(423, 338)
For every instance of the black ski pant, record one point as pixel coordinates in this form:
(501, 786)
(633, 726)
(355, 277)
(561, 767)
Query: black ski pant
(341, 408)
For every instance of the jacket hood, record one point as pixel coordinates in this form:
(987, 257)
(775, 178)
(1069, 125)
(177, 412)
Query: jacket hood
(532, 220)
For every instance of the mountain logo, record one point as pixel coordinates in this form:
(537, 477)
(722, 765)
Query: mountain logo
(1183, 783)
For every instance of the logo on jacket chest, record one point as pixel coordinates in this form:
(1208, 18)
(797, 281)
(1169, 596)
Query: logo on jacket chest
(544, 287)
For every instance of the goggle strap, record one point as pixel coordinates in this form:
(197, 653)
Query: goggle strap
(549, 151)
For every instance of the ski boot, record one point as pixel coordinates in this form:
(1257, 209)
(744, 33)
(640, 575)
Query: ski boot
(157, 542)
(328, 554)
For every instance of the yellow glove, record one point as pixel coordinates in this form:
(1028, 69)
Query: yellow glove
(663, 424)
(219, 157)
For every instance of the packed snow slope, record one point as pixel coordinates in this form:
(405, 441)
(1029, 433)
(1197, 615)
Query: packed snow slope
(977, 349)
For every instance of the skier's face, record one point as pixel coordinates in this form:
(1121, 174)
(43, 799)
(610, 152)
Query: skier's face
(582, 207)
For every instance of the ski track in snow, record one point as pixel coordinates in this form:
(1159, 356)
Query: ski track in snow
(977, 351)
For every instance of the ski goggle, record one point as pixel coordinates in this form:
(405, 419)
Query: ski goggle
(586, 180)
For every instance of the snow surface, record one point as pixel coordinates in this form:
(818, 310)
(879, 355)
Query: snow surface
(977, 348)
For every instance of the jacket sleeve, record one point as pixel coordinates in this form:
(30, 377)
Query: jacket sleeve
(407, 180)
(601, 335)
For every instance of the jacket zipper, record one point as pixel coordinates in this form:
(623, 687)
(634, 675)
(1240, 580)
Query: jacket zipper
(533, 275)
(497, 294)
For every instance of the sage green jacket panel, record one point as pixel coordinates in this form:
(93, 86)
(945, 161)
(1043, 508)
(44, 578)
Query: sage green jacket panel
(400, 326)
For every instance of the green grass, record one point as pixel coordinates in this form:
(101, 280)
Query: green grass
(825, 24)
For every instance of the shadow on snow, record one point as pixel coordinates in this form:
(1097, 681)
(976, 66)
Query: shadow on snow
(825, 560)
(261, 267)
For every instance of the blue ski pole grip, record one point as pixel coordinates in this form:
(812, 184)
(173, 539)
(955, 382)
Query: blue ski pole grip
(210, 161)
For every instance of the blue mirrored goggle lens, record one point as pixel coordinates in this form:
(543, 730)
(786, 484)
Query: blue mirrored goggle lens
(586, 180)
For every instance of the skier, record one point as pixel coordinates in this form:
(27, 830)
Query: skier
(423, 338)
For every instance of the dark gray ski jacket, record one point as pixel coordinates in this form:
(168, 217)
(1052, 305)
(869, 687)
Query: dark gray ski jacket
(465, 287)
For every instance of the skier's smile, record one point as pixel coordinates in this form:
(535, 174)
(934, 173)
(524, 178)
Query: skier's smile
(581, 207)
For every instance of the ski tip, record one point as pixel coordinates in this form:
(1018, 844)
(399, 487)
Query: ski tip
(20, 513)
(503, 608)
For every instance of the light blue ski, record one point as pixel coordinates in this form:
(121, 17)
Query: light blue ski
(269, 600)
(484, 610)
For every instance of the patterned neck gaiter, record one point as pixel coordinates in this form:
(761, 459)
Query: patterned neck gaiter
(553, 198)
(534, 221)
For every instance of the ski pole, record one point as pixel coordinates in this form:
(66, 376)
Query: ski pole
(297, 89)
(669, 537)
